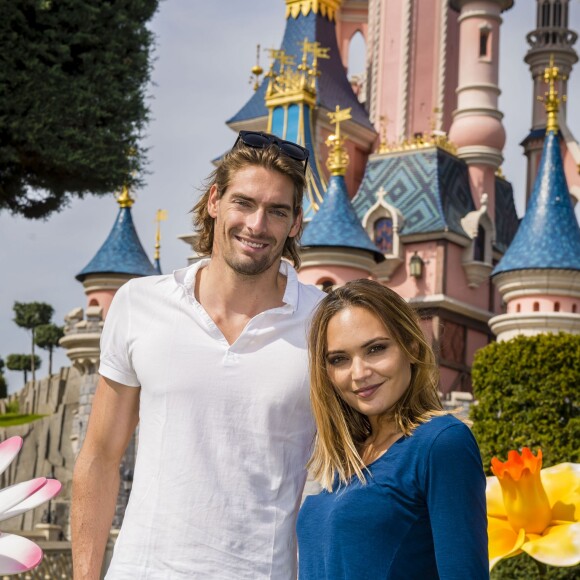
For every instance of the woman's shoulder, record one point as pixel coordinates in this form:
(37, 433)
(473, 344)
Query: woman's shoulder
(436, 426)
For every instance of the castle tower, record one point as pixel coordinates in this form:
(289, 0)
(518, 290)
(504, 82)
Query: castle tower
(477, 128)
(120, 258)
(551, 44)
(335, 246)
(412, 56)
(539, 275)
(309, 22)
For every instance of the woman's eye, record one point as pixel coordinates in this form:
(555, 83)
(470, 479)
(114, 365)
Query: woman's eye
(376, 348)
(335, 360)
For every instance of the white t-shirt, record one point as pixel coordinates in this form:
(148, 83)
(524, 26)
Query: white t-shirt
(225, 432)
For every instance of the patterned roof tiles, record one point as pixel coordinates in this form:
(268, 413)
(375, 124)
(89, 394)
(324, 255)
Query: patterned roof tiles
(336, 223)
(431, 189)
(333, 86)
(121, 253)
(549, 235)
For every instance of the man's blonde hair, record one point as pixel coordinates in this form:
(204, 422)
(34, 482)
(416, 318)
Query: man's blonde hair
(238, 158)
(341, 430)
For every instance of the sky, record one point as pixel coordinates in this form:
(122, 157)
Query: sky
(203, 56)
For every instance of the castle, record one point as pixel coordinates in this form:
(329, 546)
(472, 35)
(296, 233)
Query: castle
(405, 187)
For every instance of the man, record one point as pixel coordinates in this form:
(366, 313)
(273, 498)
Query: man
(212, 362)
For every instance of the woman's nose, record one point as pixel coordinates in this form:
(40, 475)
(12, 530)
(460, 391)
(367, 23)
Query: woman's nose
(360, 369)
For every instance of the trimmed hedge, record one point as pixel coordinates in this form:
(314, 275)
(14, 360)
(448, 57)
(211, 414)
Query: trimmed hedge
(528, 395)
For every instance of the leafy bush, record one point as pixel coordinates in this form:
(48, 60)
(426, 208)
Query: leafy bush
(527, 396)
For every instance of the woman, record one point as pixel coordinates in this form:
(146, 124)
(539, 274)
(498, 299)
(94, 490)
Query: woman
(403, 484)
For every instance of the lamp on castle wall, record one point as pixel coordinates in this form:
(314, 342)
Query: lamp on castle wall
(416, 266)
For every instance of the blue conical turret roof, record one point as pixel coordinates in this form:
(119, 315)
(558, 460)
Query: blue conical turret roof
(548, 236)
(336, 223)
(333, 86)
(122, 252)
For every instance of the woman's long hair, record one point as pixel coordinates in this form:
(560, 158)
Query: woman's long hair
(341, 430)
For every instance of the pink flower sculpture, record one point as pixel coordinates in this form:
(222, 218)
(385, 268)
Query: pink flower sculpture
(18, 554)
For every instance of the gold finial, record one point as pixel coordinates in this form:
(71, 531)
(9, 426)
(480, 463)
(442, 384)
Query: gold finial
(257, 70)
(317, 52)
(384, 120)
(124, 198)
(337, 161)
(160, 216)
(288, 83)
(551, 99)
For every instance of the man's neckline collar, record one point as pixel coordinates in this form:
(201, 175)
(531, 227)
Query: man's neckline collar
(185, 277)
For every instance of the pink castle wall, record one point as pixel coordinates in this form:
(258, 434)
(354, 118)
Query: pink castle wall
(338, 274)
(543, 303)
(102, 298)
(423, 77)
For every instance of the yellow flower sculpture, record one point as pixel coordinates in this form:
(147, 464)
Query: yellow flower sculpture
(534, 510)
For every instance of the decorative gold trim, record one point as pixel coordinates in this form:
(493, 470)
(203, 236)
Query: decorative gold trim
(420, 141)
(327, 8)
(124, 198)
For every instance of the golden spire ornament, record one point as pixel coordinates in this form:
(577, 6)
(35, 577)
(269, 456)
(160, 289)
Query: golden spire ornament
(160, 216)
(257, 70)
(551, 99)
(337, 161)
(124, 198)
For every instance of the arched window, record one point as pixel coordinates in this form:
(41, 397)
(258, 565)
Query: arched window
(383, 234)
(479, 245)
(518, 307)
(536, 306)
(326, 284)
(546, 13)
(484, 37)
(357, 55)
(93, 302)
(556, 307)
(573, 308)
(557, 21)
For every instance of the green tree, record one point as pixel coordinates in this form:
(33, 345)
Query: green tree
(31, 315)
(47, 337)
(527, 395)
(73, 76)
(22, 362)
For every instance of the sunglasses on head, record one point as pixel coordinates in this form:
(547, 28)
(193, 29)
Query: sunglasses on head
(260, 140)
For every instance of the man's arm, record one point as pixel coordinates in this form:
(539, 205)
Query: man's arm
(114, 416)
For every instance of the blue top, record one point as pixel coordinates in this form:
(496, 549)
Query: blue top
(421, 515)
(121, 253)
(336, 223)
(548, 236)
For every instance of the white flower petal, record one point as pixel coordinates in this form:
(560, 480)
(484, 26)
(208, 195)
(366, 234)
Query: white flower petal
(10, 496)
(46, 492)
(8, 451)
(18, 554)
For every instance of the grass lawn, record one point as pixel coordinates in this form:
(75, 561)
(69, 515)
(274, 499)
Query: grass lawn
(10, 419)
